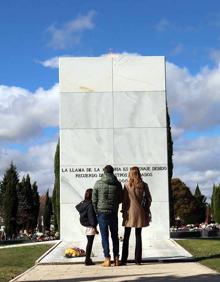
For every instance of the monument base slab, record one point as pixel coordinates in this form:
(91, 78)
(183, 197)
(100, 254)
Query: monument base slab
(153, 250)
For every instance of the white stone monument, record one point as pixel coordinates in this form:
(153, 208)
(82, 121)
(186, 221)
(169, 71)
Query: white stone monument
(113, 111)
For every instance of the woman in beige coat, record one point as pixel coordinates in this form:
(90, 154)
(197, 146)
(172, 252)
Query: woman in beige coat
(136, 212)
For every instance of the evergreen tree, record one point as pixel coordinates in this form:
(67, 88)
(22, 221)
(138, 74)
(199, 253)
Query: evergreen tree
(197, 192)
(36, 205)
(10, 201)
(208, 214)
(54, 200)
(2, 194)
(56, 190)
(22, 211)
(217, 204)
(201, 205)
(1, 197)
(213, 201)
(170, 167)
(25, 216)
(47, 212)
(29, 195)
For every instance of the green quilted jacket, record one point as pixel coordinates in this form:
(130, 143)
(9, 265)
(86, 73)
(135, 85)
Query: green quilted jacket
(107, 194)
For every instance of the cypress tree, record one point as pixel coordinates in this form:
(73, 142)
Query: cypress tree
(22, 211)
(25, 216)
(197, 192)
(10, 201)
(47, 212)
(54, 209)
(29, 195)
(36, 204)
(213, 202)
(217, 204)
(2, 192)
(201, 205)
(56, 190)
(170, 167)
(208, 214)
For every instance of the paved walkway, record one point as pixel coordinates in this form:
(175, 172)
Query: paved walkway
(155, 272)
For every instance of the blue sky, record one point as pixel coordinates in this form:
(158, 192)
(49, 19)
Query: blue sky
(145, 27)
(34, 33)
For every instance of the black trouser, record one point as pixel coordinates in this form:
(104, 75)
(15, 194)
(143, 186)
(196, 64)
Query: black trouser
(138, 245)
(90, 239)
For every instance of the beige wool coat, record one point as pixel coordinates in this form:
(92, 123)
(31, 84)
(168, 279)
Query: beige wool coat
(134, 215)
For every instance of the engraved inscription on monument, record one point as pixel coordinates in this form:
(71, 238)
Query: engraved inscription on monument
(121, 172)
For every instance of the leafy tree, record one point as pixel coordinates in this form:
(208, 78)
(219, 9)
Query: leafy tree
(170, 166)
(201, 205)
(36, 204)
(47, 212)
(10, 201)
(56, 190)
(185, 205)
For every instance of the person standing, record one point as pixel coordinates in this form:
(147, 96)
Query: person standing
(89, 220)
(106, 197)
(135, 211)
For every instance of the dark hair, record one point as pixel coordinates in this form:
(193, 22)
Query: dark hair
(88, 194)
(108, 169)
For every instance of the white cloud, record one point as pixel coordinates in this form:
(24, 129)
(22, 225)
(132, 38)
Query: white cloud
(195, 98)
(50, 63)
(162, 25)
(205, 179)
(69, 34)
(54, 61)
(24, 114)
(37, 161)
(200, 153)
(127, 54)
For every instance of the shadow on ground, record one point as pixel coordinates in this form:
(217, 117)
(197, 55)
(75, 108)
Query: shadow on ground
(207, 257)
(143, 277)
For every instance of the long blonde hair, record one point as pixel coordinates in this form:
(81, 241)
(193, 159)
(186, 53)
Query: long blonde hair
(134, 176)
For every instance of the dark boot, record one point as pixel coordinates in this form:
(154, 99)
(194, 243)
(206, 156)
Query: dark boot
(89, 262)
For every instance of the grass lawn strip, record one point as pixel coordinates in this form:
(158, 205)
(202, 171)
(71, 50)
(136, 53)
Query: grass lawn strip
(14, 261)
(206, 251)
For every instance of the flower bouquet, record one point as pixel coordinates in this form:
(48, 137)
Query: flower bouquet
(74, 252)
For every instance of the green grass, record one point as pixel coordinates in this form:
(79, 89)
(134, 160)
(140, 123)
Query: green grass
(14, 261)
(206, 251)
